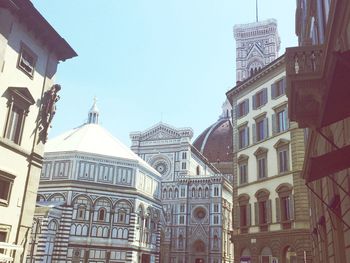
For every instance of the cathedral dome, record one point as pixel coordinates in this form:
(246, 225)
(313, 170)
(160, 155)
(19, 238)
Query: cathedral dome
(215, 142)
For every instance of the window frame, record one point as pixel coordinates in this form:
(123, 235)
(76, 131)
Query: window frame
(242, 108)
(25, 50)
(243, 136)
(9, 179)
(19, 99)
(278, 88)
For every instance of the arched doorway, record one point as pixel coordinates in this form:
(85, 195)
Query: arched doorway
(198, 248)
(245, 256)
(265, 255)
(289, 255)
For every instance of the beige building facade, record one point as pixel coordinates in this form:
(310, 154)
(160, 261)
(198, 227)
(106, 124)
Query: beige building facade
(270, 199)
(30, 50)
(318, 92)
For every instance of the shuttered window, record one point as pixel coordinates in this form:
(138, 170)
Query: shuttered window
(260, 99)
(278, 88)
(243, 134)
(242, 108)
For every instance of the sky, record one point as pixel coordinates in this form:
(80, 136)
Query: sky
(148, 61)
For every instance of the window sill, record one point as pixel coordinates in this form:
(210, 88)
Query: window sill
(13, 146)
(4, 202)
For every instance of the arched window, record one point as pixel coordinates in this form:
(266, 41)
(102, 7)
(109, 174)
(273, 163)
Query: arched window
(198, 170)
(207, 192)
(176, 193)
(181, 241)
(216, 242)
(170, 193)
(193, 192)
(101, 214)
(200, 192)
(164, 194)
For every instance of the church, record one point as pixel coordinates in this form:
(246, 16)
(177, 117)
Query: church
(196, 189)
(97, 201)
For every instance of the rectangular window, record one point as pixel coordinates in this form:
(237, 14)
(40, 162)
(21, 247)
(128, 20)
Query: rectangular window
(260, 99)
(243, 215)
(243, 108)
(262, 168)
(182, 220)
(184, 155)
(26, 61)
(261, 131)
(3, 236)
(243, 134)
(5, 189)
(283, 160)
(183, 166)
(243, 173)
(182, 192)
(262, 213)
(216, 208)
(216, 219)
(182, 208)
(14, 125)
(278, 88)
(285, 208)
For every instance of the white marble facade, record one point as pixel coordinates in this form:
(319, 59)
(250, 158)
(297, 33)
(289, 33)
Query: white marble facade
(196, 198)
(97, 201)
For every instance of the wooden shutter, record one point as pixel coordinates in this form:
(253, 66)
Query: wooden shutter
(278, 210)
(256, 213)
(269, 211)
(264, 95)
(284, 85)
(291, 207)
(249, 216)
(254, 132)
(274, 127)
(246, 106)
(246, 133)
(286, 119)
(273, 90)
(266, 128)
(237, 111)
(254, 102)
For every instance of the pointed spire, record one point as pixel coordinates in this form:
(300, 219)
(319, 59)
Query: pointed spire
(93, 113)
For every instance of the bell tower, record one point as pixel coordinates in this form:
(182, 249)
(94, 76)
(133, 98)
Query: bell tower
(257, 44)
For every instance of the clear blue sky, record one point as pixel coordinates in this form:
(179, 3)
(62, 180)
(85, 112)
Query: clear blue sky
(147, 60)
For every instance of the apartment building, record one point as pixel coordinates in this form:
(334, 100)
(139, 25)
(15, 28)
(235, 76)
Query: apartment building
(271, 211)
(30, 50)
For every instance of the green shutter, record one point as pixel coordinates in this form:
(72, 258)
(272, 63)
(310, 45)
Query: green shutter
(256, 213)
(269, 211)
(278, 210)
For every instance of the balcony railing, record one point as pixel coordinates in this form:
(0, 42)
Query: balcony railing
(305, 60)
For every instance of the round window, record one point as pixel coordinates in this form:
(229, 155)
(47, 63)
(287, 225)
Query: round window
(200, 212)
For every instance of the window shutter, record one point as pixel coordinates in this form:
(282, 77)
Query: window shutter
(254, 133)
(286, 119)
(274, 130)
(237, 111)
(278, 210)
(264, 96)
(256, 213)
(273, 90)
(269, 211)
(249, 216)
(246, 134)
(291, 207)
(254, 102)
(246, 104)
(238, 217)
(266, 128)
(284, 82)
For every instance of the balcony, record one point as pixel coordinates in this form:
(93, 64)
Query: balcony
(304, 68)
(317, 85)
